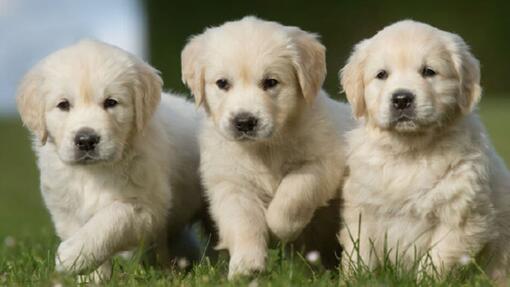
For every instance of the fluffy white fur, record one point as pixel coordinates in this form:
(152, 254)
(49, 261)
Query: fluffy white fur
(432, 183)
(275, 178)
(140, 184)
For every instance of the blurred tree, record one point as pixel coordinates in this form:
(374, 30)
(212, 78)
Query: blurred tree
(485, 25)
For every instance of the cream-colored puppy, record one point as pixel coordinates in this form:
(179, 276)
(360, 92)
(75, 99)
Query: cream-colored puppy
(271, 146)
(424, 177)
(118, 167)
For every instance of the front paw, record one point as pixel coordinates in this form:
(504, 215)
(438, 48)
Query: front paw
(70, 257)
(102, 274)
(246, 263)
(283, 226)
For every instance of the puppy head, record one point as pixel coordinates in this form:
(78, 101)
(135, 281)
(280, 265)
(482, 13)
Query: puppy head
(410, 77)
(253, 75)
(88, 100)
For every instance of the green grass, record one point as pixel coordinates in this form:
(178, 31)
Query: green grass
(27, 241)
(29, 262)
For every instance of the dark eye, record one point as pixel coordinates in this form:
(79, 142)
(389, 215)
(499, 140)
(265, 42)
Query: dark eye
(269, 83)
(64, 105)
(427, 72)
(382, 75)
(109, 103)
(223, 84)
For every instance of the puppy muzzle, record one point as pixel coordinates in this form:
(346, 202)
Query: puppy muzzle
(244, 126)
(86, 141)
(403, 106)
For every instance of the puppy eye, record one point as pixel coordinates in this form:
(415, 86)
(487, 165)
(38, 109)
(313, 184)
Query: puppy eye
(64, 105)
(223, 84)
(109, 103)
(269, 83)
(382, 75)
(428, 72)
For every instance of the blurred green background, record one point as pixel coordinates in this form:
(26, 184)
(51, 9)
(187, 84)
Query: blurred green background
(485, 25)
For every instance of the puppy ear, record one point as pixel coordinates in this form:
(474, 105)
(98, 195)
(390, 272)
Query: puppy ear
(468, 72)
(31, 104)
(310, 62)
(147, 93)
(351, 79)
(192, 68)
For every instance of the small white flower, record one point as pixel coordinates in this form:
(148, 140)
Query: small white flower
(313, 257)
(465, 259)
(10, 241)
(182, 263)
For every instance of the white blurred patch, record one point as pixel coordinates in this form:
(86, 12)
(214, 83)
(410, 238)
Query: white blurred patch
(313, 257)
(465, 259)
(10, 242)
(183, 263)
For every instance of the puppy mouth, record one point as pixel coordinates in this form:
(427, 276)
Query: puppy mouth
(260, 133)
(246, 137)
(402, 119)
(255, 136)
(404, 124)
(87, 158)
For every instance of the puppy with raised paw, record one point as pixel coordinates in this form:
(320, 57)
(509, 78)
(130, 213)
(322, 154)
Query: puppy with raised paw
(271, 145)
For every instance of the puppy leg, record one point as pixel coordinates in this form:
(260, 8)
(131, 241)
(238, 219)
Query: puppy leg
(455, 244)
(447, 249)
(300, 193)
(116, 227)
(356, 240)
(101, 274)
(497, 259)
(239, 216)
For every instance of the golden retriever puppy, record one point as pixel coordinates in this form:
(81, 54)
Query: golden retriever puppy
(425, 182)
(118, 167)
(271, 145)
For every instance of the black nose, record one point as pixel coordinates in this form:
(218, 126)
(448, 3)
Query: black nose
(402, 100)
(244, 122)
(86, 139)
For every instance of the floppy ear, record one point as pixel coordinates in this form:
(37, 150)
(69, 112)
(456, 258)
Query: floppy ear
(468, 71)
(147, 93)
(192, 68)
(351, 79)
(309, 62)
(31, 104)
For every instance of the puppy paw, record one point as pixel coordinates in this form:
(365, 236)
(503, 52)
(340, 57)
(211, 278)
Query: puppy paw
(69, 257)
(282, 226)
(100, 275)
(246, 263)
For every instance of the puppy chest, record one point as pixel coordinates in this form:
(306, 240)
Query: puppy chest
(264, 179)
(410, 185)
(258, 169)
(272, 172)
(77, 199)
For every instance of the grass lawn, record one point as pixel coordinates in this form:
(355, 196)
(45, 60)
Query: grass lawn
(27, 241)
